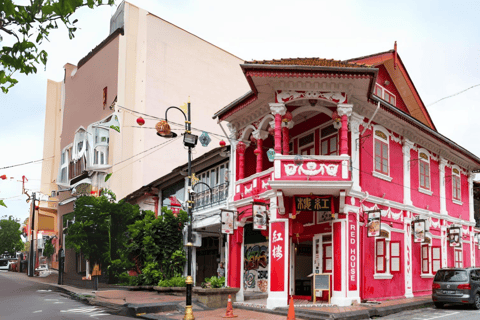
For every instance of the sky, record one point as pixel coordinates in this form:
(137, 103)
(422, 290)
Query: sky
(438, 42)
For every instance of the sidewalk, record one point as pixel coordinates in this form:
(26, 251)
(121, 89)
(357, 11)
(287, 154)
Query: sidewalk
(152, 305)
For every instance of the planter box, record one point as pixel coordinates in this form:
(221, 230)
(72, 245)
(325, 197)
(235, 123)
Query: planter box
(174, 291)
(215, 298)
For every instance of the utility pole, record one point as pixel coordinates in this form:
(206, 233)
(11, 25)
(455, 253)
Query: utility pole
(31, 265)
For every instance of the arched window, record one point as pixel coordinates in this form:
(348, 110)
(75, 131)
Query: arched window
(456, 184)
(424, 171)
(381, 153)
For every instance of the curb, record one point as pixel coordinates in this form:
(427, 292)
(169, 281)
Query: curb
(134, 309)
(385, 311)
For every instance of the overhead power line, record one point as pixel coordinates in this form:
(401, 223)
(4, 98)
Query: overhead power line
(455, 94)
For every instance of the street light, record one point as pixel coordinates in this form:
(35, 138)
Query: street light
(189, 140)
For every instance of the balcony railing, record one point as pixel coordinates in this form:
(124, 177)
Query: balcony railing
(311, 167)
(205, 198)
(76, 169)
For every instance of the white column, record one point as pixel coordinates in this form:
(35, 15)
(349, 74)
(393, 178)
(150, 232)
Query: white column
(407, 195)
(444, 246)
(408, 258)
(443, 199)
(470, 196)
(355, 121)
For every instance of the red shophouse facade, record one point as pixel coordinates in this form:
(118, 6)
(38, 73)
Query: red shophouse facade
(357, 133)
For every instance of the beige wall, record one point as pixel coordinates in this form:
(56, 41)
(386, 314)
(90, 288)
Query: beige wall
(84, 91)
(163, 65)
(51, 145)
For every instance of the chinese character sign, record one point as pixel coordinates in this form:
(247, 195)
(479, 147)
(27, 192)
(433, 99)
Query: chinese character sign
(259, 216)
(419, 231)
(278, 256)
(227, 221)
(313, 203)
(373, 224)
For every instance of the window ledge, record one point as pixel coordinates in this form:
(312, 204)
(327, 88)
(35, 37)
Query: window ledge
(381, 176)
(460, 203)
(426, 191)
(427, 276)
(383, 276)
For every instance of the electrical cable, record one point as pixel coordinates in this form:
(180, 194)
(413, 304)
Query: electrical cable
(25, 163)
(455, 94)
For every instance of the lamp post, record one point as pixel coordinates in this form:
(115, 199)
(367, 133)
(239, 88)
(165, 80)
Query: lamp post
(189, 140)
(31, 264)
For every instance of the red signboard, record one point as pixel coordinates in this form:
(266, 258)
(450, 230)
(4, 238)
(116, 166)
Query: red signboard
(352, 253)
(277, 256)
(337, 253)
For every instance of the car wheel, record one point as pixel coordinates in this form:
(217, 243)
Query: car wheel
(439, 305)
(476, 303)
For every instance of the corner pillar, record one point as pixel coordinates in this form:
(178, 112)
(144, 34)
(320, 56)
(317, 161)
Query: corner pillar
(241, 147)
(443, 199)
(355, 121)
(344, 111)
(260, 135)
(278, 110)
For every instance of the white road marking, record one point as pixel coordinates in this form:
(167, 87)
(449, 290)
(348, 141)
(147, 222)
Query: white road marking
(439, 316)
(38, 311)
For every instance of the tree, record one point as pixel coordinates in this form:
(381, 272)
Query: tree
(30, 25)
(10, 239)
(49, 249)
(100, 226)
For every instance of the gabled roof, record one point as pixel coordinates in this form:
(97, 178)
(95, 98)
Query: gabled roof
(317, 62)
(402, 81)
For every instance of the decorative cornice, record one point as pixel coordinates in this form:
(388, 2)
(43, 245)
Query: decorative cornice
(345, 109)
(260, 134)
(278, 108)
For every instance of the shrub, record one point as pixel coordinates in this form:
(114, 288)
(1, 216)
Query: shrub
(214, 282)
(173, 282)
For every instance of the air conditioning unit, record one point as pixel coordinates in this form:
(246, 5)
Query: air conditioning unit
(40, 243)
(196, 238)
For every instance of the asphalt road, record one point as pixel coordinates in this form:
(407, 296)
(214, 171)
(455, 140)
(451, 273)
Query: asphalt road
(23, 299)
(450, 312)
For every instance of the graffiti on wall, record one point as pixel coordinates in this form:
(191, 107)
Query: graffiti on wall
(256, 267)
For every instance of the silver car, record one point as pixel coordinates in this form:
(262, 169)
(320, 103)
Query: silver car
(456, 285)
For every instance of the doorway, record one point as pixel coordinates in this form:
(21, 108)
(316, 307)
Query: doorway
(303, 271)
(323, 260)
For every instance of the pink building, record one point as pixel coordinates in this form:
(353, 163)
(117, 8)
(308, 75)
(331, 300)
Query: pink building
(335, 150)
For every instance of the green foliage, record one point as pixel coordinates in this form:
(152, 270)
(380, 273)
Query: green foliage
(49, 249)
(214, 282)
(100, 230)
(158, 240)
(1, 201)
(10, 239)
(30, 25)
(173, 282)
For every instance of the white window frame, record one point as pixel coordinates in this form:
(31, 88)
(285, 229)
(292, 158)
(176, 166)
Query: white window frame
(375, 173)
(387, 274)
(320, 138)
(428, 247)
(100, 148)
(427, 161)
(383, 94)
(455, 251)
(458, 175)
(80, 136)
(66, 157)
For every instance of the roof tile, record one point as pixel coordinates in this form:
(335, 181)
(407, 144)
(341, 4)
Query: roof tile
(316, 62)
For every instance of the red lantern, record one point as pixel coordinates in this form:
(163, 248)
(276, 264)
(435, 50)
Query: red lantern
(264, 233)
(37, 207)
(287, 117)
(3, 177)
(163, 128)
(297, 228)
(241, 147)
(140, 121)
(222, 143)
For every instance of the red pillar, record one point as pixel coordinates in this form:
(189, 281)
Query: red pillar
(278, 133)
(286, 139)
(241, 147)
(343, 136)
(234, 261)
(259, 153)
